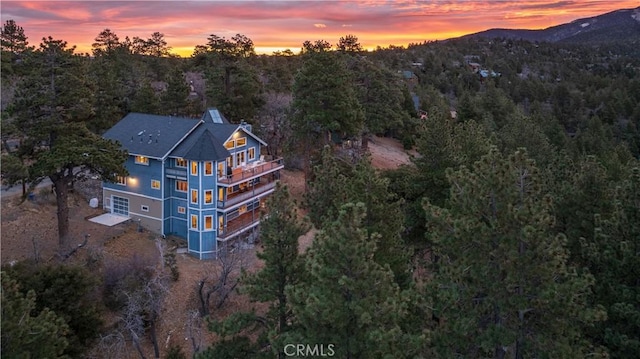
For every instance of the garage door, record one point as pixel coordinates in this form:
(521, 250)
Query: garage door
(120, 206)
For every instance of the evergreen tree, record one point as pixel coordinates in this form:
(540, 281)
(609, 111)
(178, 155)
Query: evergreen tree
(52, 108)
(442, 144)
(380, 93)
(233, 84)
(349, 43)
(324, 101)
(337, 182)
(106, 43)
(324, 98)
(279, 233)
(502, 285)
(174, 99)
(26, 331)
(145, 99)
(348, 300)
(67, 291)
(612, 256)
(13, 44)
(14, 171)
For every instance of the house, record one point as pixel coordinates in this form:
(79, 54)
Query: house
(204, 180)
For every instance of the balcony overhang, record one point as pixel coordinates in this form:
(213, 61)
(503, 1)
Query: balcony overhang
(250, 171)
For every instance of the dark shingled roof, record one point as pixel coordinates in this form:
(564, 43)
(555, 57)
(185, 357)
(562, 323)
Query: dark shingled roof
(206, 148)
(150, 135)
(219, 132)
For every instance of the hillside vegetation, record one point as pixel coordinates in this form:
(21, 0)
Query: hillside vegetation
(513, 233)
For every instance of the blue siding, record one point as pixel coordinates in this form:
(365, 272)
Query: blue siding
(201, 242)
(171, 187)
(139, 179)
(176, 227)
(194, 241)
(251, 143)
(209, 241)
(209, 183)
(194, 183)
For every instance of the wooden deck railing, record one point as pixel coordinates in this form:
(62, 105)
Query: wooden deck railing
(253, 192)
(236, 226)
(251, 170)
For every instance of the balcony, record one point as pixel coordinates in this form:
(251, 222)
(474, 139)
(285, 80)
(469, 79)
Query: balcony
(176, 173)
(264, 186)
(252, 170)
(239, 225)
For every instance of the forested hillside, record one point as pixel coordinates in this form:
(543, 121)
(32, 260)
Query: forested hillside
(514, 233)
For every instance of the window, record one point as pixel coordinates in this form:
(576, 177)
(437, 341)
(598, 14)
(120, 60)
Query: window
(252, 153)
(208, 222)
(240, 158)
(155, 184)
(182, 210)
(121, 180)
(144, 208)
(194, 221)
(221, 170)
(230, 144)
(181, 162)
(241, 141)
(208, 196)
(194, 196)
(181, 186)
(230, 161)
(194, 168)
(142, 160)
(208, 168)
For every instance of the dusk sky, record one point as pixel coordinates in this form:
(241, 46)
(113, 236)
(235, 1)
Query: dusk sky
(278, 25)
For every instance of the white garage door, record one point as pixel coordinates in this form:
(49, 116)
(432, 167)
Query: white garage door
(120, 206)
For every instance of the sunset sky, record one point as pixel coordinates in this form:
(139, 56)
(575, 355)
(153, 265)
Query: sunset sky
(278, 25)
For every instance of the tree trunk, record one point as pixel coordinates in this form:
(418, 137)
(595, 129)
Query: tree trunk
(61, 186)
(154, 339)
(204, 303)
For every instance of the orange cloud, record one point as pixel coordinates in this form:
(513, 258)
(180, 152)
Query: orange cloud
(285, 24)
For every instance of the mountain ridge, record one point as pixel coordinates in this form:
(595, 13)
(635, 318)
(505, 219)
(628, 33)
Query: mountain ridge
(623, 24)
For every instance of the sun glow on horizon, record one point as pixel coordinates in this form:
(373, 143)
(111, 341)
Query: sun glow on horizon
(281, 25)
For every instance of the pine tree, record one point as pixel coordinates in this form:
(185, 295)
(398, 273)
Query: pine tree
(380, 93)
(348, 300)
(27, 332)
(145, 99)
(13, 44)
(283, 267)
(233, 84)
(279, 235)
(337, 182)
(442, 144)
(174, 99)
(612, 257)
(69, 292)
(324, 98)
(324, 101)
(502, 286)
(52, 108)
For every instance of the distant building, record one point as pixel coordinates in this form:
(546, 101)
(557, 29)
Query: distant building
(204, 180)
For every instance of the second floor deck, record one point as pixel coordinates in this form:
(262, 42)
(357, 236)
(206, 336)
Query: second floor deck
(251, 170)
